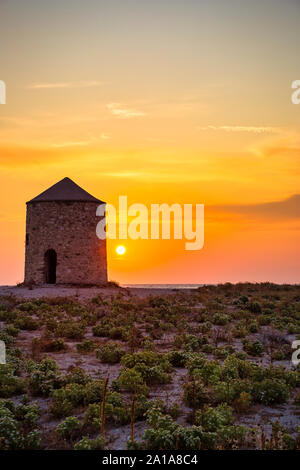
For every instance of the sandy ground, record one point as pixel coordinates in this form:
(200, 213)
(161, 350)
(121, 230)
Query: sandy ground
(82, 293)
(287, 414)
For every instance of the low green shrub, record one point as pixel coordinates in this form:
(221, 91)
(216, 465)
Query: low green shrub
(195, 394)
(10, 383)
(86, 346)
(253, 327)
(12, 331)
(178, 358)
(17, 427)
(220, 319)
(48, 345)
(212, 419)
(254, 349)
(25, 322)
(189, 342)
(153, 367)
(166, 434)
(270, 392)
(44, 377)
(130, 380)
(110, 353)
(254, 307)
(92, 418)
(77, 375)
(89, 444)
(69, 428)
(94, 391)
(70, 330)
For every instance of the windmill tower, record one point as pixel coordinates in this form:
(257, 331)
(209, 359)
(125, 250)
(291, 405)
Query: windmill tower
(61, 242)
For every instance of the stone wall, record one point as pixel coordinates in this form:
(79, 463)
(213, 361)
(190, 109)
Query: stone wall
(69, 228)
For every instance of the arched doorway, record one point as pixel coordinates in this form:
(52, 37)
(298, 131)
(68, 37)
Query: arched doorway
(50, 267)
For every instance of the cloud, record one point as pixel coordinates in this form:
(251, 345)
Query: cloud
(286, 209)
(253, 129)
(82, 143)
(124, 174)
(105, 137)
(117, 109)
(82, 84)
(42, 120)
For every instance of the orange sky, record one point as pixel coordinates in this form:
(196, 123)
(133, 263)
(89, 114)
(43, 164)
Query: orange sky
(162, 101)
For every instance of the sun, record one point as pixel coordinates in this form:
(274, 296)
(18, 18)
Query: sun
(120, 250)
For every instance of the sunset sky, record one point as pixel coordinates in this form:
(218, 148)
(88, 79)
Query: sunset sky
(175, 101)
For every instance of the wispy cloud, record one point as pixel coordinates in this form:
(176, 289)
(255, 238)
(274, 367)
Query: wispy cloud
(124, 174)
(81, 84)
(118, 110)
(105, 137)
(81, 143)
(254, 129)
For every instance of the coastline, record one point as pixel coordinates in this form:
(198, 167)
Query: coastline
(86, 293)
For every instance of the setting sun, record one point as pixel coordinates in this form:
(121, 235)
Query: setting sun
(120, 250)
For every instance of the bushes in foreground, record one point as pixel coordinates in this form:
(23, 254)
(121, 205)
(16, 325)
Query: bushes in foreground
(44, 376)
(10, 383)
(270, 392)
(65, 399)
(166, 434)
(89, 444)
(110, 353)
(152, 367)
(17, 426)
(221, 384)
(238, 382)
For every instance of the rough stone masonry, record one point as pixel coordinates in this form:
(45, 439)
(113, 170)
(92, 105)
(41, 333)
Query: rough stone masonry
(61, 242)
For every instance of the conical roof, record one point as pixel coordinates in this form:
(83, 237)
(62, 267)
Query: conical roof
(65, 190)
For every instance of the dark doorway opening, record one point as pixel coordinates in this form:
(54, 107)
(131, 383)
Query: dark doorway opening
(50, 267)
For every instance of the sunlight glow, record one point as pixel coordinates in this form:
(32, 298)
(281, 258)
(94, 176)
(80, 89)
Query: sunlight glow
(120, 250)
